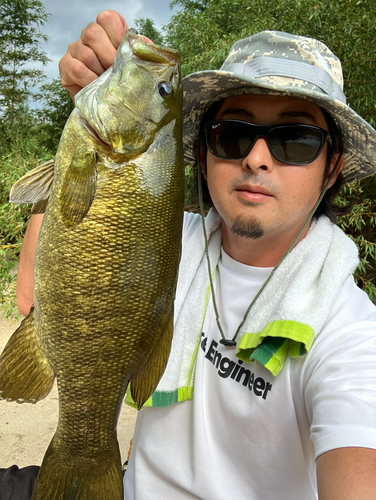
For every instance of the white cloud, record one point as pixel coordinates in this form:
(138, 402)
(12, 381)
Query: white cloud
(69, 17)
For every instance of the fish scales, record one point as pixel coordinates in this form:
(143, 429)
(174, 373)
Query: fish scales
(105, 269)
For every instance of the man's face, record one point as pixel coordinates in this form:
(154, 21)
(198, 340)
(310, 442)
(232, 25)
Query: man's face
(259, 196)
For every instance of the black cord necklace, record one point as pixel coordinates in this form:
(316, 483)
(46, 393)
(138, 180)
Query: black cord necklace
(232, 342)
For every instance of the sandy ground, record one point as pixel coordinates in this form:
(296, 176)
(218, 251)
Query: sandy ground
(26, 429)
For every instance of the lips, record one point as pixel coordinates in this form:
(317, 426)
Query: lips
(253, 193)
(254, 189)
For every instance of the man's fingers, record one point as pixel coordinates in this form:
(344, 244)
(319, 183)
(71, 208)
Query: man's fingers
(96, 46)
(75, 74)
(94, 52)
(146, 39)
(72, 89)
(114, 25)
(86, 55)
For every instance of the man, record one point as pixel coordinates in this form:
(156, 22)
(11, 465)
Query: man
(278, 352)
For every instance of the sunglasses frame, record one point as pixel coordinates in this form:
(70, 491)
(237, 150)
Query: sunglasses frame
(263, 131)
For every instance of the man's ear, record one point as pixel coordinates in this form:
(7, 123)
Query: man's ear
(202, 163)
(332, 166)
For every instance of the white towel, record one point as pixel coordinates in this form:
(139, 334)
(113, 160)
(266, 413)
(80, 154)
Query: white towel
(285, 319)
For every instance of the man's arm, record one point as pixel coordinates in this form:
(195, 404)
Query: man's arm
(25, 276)
(347, 474)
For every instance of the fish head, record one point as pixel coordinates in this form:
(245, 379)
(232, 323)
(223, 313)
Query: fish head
(127, 105)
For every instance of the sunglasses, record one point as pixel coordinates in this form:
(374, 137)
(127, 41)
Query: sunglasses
(294, 144)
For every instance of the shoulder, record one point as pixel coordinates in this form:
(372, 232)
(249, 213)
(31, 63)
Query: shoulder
(345, 346)
(339, 374)
(350, 328)
(351, 307)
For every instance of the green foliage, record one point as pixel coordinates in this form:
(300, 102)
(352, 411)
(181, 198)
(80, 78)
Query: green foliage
(20, 51)
(204, 30)
(21, 147)
(146, 27)
(191, 201)
(26, 155)
(360, 225)
(56, 106)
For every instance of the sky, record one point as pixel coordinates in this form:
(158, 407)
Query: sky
(68, 17)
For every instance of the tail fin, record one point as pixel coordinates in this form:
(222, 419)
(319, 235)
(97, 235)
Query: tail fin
(25, 373)
(63, 477)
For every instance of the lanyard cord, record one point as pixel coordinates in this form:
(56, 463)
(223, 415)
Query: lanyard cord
(232, 342)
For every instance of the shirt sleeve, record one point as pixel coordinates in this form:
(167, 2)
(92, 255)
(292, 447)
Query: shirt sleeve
(340, 375)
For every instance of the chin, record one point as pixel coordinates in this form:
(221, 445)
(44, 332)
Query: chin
(247, 227)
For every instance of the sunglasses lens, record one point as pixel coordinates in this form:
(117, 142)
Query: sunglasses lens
(295, 144)
(229, 140)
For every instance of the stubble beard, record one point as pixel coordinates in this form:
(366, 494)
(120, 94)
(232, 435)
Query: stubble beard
(249, 227)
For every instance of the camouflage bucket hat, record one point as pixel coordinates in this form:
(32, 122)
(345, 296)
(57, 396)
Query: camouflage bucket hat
(277, 63)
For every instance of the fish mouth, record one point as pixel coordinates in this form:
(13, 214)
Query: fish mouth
(94, 133)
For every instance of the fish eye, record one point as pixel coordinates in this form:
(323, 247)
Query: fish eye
(165, 88)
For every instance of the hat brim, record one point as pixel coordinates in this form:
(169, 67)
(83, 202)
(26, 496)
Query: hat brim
(205, 87)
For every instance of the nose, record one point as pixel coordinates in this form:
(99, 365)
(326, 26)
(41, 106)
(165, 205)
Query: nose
(259, 157)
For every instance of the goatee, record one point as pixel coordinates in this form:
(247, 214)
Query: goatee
(247, 228)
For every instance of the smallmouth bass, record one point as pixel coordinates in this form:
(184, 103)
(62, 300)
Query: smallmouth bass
(106, 267)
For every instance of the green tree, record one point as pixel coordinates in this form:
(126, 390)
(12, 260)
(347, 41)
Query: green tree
(146, 27)
(13, 218)
(56, 106)
(204, 30)
(20, 52)
(21, 61)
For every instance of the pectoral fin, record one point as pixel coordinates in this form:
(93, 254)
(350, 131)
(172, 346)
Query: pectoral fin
(79, 186)
(33, 186)
(147, 380)
(25, 373)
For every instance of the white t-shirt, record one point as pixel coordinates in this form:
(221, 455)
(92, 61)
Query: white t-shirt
(249, 435)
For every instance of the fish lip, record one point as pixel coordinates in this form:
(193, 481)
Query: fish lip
(94, 133)
(254, 188)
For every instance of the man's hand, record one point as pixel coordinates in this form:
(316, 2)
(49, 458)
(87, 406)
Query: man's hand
(93, 52)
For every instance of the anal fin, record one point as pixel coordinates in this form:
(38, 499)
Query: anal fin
(25, 373)
(147, 380)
